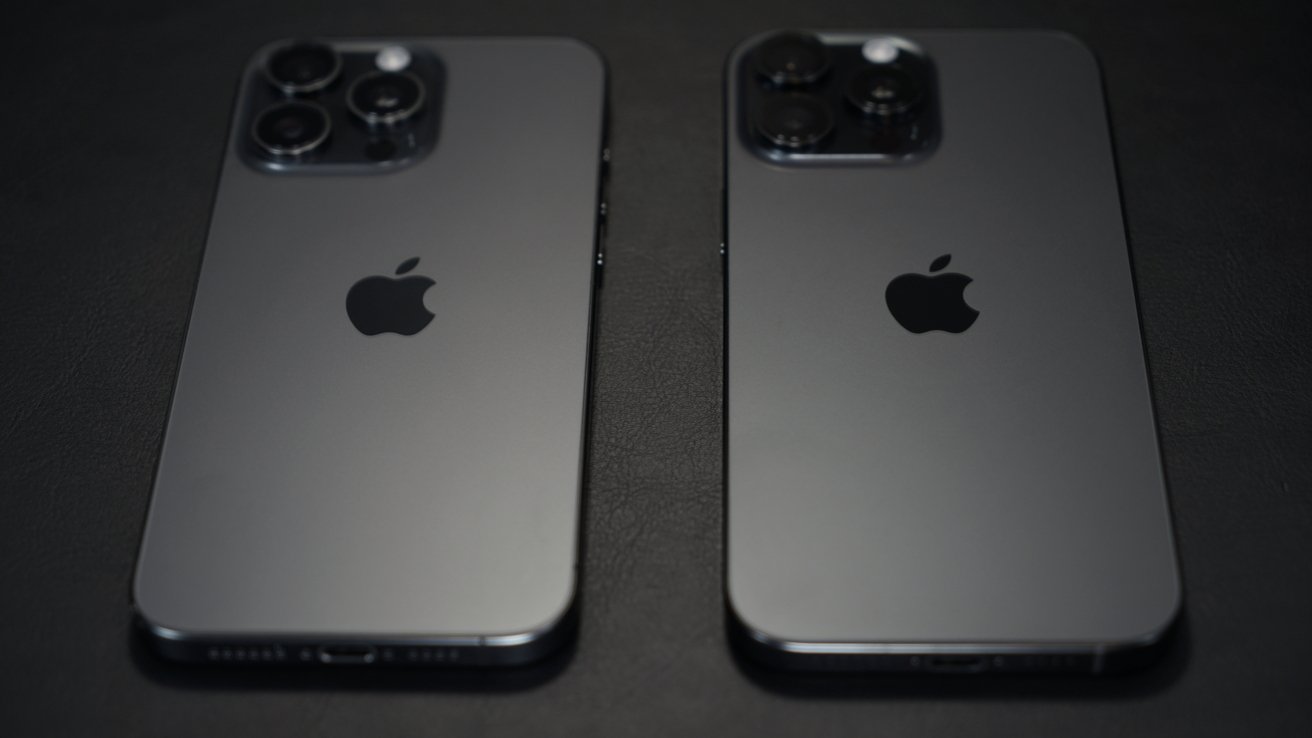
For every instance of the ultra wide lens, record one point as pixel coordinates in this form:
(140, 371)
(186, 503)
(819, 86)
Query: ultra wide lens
(386, 98)
(884, 91)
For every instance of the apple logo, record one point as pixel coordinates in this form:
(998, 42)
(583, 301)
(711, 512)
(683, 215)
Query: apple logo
(922, 303)
(390, 305)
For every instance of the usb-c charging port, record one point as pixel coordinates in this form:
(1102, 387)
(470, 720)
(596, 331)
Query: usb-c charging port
(964, 664)
(347, 654)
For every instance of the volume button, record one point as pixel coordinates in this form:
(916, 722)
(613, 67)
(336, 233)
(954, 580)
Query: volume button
(724, 223)
(603, 211)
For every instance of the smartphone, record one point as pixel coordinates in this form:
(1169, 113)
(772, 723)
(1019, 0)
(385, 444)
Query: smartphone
(941, 449)
(374, 453)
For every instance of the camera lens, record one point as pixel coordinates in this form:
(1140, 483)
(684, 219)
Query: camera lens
(794, 121)
(291, 128)
(792, 59)
(386, 98)
(303, 67)
(884, 91)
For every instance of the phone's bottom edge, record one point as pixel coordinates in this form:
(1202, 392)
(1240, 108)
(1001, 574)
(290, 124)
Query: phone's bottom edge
(940, 659)
(360, 651)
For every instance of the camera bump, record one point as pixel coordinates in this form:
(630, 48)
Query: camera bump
(815, 98)
(317, 106)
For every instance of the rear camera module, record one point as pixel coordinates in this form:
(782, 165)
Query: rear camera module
(291, 129)
(386, 98)
(792, 59)
(794, 121)
(884, 91)
(313, 106)
(303, 68)
(848, 99)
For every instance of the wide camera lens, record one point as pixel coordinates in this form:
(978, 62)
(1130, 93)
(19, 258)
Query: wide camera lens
(291, 129)
(386, 98)
(884, 91)
(792, 59)
(303, 67)
(794, 121)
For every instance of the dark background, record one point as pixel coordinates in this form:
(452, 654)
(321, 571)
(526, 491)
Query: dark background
(114, 117)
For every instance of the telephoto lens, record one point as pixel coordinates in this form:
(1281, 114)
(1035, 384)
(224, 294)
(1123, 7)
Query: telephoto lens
(303, 68)
(291, 129)
(884, 92)
(793, 121)
(792, 59)
(386, 98)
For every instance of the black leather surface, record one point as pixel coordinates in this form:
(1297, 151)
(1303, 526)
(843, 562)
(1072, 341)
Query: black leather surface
(114, 117)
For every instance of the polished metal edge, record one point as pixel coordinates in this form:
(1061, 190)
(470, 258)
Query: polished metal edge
(827, 648)
(512, 649)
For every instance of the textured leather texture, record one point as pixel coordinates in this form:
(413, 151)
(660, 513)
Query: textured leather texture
(114, 123)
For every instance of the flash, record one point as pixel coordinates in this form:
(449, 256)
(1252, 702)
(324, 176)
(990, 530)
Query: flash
(880, 50)
(392, 59)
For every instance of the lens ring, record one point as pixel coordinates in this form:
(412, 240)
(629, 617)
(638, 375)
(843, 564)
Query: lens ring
(792, 59)
(303, 67)
(794, 121)
(291, 129)
(884, 91)
(407, 88)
